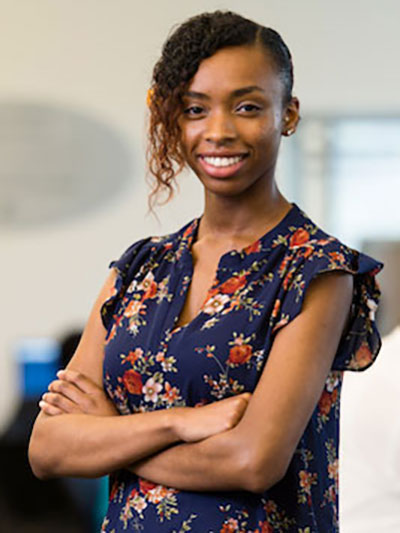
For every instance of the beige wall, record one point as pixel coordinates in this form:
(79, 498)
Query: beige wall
(96, 56)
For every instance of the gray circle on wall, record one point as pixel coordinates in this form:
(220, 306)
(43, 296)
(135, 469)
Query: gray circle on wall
(56, 164)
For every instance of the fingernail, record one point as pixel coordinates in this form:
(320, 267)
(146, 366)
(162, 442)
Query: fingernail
(60, 372)
(42, 404)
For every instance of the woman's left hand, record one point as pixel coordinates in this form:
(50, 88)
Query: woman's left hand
(74, 392)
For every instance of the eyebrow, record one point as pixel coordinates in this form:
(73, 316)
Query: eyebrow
(238, 92)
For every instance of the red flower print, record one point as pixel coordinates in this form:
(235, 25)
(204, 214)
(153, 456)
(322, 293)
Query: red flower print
(338, 257)
(333, 470)
(308, 250)
(323, 242)
(299, 237)
(189, 230)
(133, 381)
(265, 527)
(151, 291)
(112, 334)
(171, 393)
(233, 284)
(288, 279)
(231, 526)
(145, 486)
(270, 507)
(275, 310)
(133, 494)
(284, 264)
(306, 481)
(325, 403)
(363, 356)
(253, 248)
(114, 490)
(133, 356)
(132, 308)
(240, 354)
(334, 396)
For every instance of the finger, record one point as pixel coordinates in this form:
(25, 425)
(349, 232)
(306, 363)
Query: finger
(58, 401)
(69, 390)
(79, 379)
(49, 409)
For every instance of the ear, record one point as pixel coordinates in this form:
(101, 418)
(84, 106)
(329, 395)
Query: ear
(291, 117)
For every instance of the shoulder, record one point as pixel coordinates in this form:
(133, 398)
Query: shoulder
(308, 247)
(307, 253)
(152, 250)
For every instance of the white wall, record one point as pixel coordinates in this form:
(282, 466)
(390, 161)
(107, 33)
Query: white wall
(97, 56)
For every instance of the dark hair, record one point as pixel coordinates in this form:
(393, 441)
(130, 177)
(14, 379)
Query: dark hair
(194, 40)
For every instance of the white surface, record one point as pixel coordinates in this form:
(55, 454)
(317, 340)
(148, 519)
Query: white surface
(370, 445)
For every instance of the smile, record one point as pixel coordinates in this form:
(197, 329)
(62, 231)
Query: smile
(222, 166)
(223, 161)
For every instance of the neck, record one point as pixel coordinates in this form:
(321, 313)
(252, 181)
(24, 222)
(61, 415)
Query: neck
(229, 217)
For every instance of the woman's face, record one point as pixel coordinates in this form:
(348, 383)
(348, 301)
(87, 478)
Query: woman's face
(233, 118)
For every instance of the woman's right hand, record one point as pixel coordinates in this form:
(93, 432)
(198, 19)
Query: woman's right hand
(198, 423)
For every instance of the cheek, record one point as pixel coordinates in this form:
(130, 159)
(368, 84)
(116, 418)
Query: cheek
(188, 137)
(265, 136)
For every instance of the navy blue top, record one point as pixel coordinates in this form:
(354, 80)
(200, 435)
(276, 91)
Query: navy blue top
(152, 364)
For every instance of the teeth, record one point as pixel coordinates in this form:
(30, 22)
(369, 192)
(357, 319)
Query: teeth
(223, 161)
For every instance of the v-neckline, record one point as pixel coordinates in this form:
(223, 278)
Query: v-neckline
(257, 246)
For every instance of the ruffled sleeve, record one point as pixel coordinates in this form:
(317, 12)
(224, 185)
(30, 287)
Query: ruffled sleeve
(126, 266)
(361, 341)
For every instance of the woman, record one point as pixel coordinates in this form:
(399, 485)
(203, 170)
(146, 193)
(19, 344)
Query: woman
(224, 344)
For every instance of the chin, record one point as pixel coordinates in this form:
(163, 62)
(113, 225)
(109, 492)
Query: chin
(226, 189)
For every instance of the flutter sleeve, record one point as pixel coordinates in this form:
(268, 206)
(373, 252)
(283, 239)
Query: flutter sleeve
(360, 343)
(126, 266)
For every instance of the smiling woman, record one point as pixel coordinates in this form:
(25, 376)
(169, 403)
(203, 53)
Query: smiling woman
(222, 345)
(233, 128)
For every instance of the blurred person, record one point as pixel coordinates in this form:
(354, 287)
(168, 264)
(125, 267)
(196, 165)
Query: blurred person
(370, 445)
(222, 345)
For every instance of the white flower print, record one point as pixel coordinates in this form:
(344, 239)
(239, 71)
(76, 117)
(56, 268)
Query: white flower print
(372, 306)
(332, 381)
(139, 503)
(146, 283)
(215, 304)
(150, 390)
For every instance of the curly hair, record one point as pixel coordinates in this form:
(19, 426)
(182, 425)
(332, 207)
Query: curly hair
(196, 39)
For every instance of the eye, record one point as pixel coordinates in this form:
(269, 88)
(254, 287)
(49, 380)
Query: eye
(248, 108)
(193, 111)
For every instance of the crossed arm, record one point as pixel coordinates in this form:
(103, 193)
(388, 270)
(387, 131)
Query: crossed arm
(241, 443)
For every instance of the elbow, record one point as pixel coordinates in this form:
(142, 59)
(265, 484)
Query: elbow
(263, 472)
(42, 461)
(262, 480)
(40, 464)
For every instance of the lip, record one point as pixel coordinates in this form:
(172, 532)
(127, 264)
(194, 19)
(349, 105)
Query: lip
(221, 172)
(222, 154)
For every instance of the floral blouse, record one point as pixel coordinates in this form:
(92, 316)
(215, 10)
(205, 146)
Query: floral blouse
(152, 364)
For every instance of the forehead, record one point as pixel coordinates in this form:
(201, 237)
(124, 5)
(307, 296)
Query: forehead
(235, 67)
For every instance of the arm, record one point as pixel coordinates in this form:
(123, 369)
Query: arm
(255, 454)
(87, 439)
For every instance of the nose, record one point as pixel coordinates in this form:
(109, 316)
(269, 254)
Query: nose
(220, 128)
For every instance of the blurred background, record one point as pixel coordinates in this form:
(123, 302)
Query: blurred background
(73, 196)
